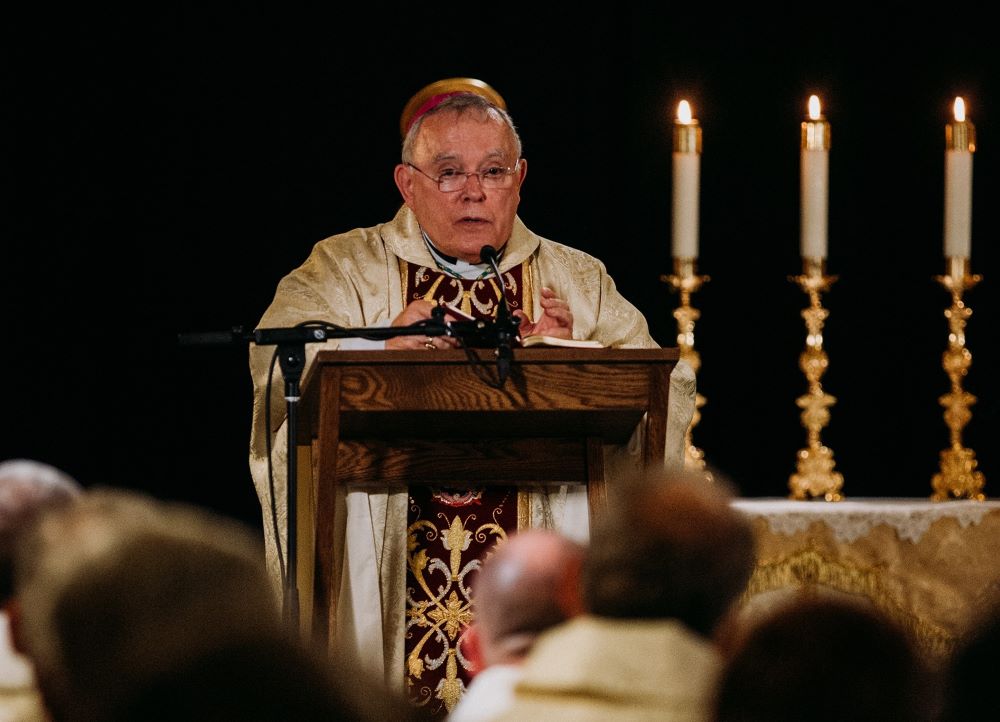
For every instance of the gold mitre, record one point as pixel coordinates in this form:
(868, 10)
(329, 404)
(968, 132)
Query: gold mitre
(430, 95)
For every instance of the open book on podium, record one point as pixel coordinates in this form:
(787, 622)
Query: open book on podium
(542, 341)
(403, 418)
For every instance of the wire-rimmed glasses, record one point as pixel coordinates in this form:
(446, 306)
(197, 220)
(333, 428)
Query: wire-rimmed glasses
(493, 177)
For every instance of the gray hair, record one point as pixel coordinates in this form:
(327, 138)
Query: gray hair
(462, 103)
(19, 476)
(27, 488)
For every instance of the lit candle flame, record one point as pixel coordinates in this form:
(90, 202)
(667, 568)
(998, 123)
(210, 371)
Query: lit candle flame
(814, 112)
(684, 112)
(959, 110)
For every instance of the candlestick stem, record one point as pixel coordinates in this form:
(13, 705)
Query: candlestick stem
(958, 477)
(685, 281)
(815, 477)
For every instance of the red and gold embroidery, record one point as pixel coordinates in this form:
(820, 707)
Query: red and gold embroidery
(477, 297)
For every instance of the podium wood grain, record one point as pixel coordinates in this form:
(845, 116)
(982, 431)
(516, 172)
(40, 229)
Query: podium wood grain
(399, 418)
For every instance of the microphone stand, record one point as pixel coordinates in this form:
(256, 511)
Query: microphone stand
(506, 324)
(291, 343)
(291, 359)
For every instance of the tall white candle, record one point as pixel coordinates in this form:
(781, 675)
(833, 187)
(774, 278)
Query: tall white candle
(960, 144)
(815, 174)
(687, 172)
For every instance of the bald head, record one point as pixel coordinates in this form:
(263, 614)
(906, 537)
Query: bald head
(27, 488)
(528, 585)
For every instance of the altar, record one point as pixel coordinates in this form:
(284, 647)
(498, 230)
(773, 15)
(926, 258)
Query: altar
(931, 566)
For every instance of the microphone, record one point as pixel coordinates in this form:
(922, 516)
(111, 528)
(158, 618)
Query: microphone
(488, 254)
(506, 324)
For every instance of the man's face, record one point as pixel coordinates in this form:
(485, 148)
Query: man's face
(461, 222)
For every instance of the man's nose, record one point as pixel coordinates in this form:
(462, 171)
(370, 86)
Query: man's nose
(474, 191)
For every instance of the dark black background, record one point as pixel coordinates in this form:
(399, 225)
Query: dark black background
(165, 169)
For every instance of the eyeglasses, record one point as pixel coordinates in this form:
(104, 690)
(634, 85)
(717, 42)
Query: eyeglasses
(450, 180)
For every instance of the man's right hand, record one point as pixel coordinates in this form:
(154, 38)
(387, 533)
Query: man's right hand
(414, 312)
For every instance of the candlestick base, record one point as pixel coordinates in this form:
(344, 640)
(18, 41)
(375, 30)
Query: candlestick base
(815, 477)
(686, 281)
(957, 477)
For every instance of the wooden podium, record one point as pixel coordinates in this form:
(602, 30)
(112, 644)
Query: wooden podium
(422, 417)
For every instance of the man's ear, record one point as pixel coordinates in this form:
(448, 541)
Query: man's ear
(13, 609)
(522, 172)
(473, 644)
(404, 181)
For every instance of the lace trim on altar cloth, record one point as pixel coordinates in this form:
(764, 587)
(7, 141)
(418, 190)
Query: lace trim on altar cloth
(851, 520)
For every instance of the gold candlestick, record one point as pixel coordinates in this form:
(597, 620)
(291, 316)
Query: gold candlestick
(686, 281)
(815, 477)
(958, 478)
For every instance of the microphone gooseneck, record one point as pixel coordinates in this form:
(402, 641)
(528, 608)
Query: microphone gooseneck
(506, 327)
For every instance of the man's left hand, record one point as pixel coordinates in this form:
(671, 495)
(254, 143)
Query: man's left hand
(556, 319)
